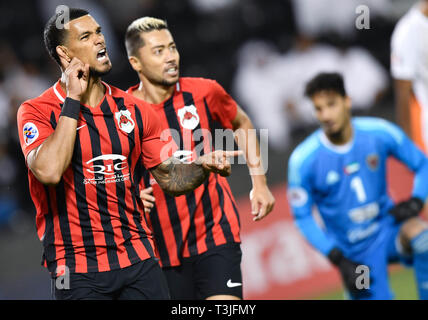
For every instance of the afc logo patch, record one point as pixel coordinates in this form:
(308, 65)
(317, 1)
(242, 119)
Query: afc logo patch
(125, 121)
(189, 117)
(30, 132)
(297, 196)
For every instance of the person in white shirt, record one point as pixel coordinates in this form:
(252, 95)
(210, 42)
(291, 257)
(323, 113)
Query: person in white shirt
(409, 68)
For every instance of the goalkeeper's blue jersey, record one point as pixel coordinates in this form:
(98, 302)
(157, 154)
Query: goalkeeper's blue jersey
(347, 184)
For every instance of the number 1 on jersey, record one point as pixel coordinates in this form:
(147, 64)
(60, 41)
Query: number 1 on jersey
(358, 187)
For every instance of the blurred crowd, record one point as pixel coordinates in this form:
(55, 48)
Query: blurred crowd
(262, 52)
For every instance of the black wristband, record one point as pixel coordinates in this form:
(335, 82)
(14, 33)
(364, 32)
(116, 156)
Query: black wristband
(71, 108)
(335, 256)
(416, 204)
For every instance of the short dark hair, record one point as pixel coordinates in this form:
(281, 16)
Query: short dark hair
(54, 36)
(326, 82)
(133, 40)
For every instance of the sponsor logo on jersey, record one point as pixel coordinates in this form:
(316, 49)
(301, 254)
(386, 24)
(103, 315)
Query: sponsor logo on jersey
(361, 233)
(110, 171)
(124, 120)
(189, 117)
(297, 196)
(30, 132)
(372, 161)
(332, 177)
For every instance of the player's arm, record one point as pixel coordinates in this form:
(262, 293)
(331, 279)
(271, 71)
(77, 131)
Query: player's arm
(403, 93)
(300, 199)
(403, 69)
(402, 148)
(177, 178)
(262, 200)
(49, 160)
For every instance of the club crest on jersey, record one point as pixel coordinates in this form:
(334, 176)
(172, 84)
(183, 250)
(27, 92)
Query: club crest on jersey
(189, 117)
(125, 121)
(31, 133)
(372, 161)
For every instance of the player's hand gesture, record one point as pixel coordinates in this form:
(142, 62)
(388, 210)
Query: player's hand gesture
(147, 199)
(218, 161)
(76, 78)
(262, 202)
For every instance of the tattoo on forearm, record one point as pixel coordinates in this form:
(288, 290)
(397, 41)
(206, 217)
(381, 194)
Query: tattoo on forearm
(177, 178)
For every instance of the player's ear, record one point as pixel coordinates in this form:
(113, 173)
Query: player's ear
(135, 63)
(63, 55)
(348, 102)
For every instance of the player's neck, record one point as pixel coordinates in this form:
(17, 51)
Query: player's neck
(93, 94)
(424, 7)
(153, 93)
(343, 136)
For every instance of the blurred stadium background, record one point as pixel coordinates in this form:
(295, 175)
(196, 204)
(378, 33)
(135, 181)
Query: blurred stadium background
(262, 52)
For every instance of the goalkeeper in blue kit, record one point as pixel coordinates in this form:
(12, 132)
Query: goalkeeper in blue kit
(341, 169)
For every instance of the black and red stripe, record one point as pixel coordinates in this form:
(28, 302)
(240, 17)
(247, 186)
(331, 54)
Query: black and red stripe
(189, 225)
(88, 225)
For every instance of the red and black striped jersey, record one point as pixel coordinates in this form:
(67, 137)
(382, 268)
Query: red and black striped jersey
(92, 220)
(207, 217)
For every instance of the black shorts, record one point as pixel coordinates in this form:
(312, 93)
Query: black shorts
(214, 272)
(141, 281)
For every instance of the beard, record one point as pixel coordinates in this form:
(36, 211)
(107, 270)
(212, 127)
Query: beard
(163, 82)
(97, 73)
(339, 134)
(159, 81)
(166, 83)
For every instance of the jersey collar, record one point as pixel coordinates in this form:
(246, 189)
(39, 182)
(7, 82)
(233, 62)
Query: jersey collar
(60, 94)
(342, 149)
(140, 86)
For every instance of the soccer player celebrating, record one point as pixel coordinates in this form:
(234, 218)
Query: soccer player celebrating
(197, 235)
(341, 169)
(85, 143)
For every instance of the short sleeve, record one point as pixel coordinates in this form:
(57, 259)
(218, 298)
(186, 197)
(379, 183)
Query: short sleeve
(156, 145)
(222, 106)
(403, 52)
(401, 147)
(33, 127)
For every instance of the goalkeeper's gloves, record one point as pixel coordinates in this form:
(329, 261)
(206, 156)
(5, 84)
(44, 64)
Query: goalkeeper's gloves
(407, 209)
(348, 271)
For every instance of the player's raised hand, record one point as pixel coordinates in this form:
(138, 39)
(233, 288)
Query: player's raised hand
(262, 202)
(76, 78)
(147, 199)
(218, 161)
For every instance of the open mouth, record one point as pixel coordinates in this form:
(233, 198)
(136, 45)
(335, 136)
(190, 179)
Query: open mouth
(172, 70)
(102, 54)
